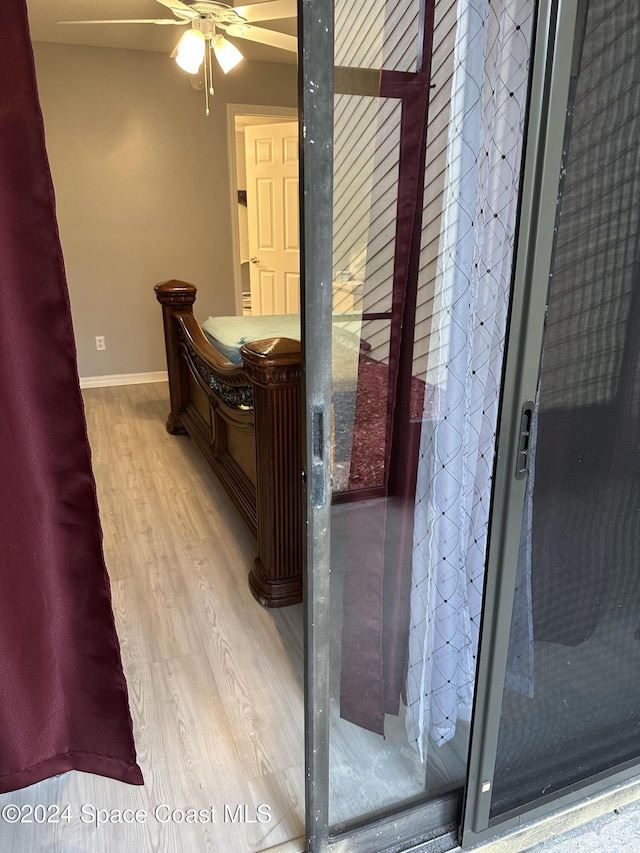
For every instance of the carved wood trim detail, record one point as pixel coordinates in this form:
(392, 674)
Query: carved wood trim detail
(234, 396)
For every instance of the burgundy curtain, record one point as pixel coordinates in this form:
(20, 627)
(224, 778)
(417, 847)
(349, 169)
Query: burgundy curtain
(63, 697)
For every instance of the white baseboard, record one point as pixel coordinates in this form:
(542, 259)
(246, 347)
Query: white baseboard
(122, 379)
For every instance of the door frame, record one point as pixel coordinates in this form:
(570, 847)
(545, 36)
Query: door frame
(261, 112)
(554, 30)
(558, 23)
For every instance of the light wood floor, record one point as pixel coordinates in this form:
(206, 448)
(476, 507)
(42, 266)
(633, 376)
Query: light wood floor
(215, 680)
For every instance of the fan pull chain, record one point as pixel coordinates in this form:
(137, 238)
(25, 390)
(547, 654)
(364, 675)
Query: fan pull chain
(208, 79)
(206, 87)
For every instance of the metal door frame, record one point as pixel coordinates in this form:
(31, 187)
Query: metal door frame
(558, 22)
(315, 87)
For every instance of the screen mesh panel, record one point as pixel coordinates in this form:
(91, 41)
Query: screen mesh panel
(571, 707)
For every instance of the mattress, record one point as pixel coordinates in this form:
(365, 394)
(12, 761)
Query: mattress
(228, 334)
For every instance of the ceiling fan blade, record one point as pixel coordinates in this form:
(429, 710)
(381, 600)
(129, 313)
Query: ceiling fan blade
(264, 36)
(270, 10)
(179, 8)
(161, 21)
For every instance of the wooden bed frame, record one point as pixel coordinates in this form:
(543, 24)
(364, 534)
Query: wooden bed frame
(247, 421)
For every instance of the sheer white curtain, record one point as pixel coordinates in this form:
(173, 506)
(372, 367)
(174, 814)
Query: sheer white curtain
(489, 93)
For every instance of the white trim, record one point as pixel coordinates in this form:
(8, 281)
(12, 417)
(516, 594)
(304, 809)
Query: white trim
(122, 379)
(234, 110)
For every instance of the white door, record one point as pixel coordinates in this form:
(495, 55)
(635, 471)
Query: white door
(272, 209)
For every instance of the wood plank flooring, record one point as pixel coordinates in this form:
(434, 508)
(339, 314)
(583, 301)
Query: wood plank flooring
(215, 682)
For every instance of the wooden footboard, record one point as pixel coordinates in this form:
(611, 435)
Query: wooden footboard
(246, 419)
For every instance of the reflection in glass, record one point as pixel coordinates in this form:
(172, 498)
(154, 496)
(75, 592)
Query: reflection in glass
(377, 34)
(415, 394)
(367, 135)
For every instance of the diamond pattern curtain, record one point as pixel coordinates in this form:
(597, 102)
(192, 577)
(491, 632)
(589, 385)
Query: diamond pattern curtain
(488, 102)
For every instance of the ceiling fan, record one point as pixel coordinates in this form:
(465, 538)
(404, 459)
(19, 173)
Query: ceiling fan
(209, 23)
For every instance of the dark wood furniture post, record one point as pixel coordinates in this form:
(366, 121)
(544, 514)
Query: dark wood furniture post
(176, 297)
(275, 367)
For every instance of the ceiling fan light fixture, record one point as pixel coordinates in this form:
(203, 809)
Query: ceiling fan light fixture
(227, 54)
(190, 51)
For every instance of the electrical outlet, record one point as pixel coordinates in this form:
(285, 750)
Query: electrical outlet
(100, 342)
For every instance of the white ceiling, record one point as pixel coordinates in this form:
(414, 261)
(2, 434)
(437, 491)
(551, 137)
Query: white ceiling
(43, 15)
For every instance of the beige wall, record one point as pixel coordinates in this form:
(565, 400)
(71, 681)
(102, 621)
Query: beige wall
(142, 189)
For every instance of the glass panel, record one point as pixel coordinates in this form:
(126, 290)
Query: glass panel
(386, 35)
(360, 409)
(407, 561)
(570, 708)
(366, 155)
